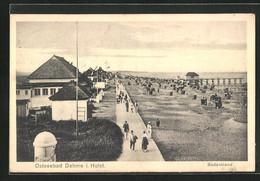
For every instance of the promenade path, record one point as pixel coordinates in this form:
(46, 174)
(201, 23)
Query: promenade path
(137, 125)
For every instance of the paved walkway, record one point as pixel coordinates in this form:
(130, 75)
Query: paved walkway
(136, 124)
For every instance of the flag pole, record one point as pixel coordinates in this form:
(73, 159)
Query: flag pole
(77, 82)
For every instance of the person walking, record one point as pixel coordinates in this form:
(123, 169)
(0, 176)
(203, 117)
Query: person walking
(121, 98)
(158, 123)
(126, 106)
(133, 139)
(136, 106)
(132, 107)
(149, 130)
(126, 129)
(129, 105)
(125, 98)
(144, 142)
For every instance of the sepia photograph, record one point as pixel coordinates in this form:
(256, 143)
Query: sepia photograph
(132, 93)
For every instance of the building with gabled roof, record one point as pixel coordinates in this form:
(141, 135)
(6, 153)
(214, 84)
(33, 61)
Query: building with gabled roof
(192, 76)
(48, 79)
(68, 92)
(64, 103)
(56, 69)
(90, 74)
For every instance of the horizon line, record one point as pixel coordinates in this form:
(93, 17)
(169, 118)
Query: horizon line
(158, 71)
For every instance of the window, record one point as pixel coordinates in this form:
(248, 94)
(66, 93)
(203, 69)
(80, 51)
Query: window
(26, 92)
(44, 91)
(37, 92)
(53, 91)
(17, 92)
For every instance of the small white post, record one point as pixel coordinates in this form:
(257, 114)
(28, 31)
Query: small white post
(44, 147)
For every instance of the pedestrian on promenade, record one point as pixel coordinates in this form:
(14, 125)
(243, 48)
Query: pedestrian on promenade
(126, 105)
(121, 99)
(133, 139)
(125, 98)
(136, 106)
(149, 130)
(144, 142)
(126, 129)
(158, 123)
(132, 107)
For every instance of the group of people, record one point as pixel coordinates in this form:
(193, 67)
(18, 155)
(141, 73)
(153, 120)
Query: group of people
(123, 97)
(133, 138)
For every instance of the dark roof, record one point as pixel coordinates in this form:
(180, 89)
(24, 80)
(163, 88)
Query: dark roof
(192, 74)
(99, 71)
(69, 93)
(31, 85)
(23, 86)
(56, 84)
(22, 101)
(85, 80)
(89, 72)
(21, 79)
(55, 68)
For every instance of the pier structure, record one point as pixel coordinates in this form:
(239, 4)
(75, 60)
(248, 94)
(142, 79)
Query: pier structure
(216, 81)
(221, 81)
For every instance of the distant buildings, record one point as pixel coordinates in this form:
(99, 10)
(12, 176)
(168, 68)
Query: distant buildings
(192, 76)
(90, 73)
(97, 75)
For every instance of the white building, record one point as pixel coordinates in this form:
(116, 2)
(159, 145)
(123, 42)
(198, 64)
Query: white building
(49, 78)
(64, 103)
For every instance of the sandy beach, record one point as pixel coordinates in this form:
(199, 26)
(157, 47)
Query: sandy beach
(189, 131)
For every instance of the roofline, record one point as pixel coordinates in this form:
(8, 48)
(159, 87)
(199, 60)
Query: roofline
(69, 99)
(79, 86)
(28, 77)
(51, 78)
(40, 67)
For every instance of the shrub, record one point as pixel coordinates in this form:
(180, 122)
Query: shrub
(98, 140)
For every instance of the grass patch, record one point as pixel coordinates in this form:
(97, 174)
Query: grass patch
(99, 140)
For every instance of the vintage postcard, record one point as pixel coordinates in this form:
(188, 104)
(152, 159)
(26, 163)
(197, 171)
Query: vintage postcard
(132, 93)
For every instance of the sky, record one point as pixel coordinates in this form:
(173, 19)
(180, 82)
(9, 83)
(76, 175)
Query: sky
(169, 46)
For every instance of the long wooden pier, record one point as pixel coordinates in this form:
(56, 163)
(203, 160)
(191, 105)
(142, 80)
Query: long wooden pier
(216, 81)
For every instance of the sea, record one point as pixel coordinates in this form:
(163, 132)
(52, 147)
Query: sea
(174, 75)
